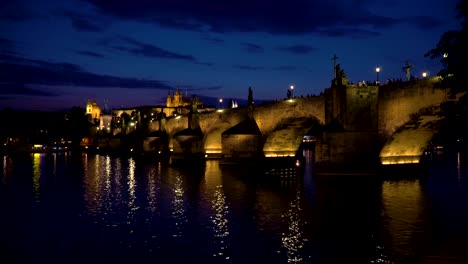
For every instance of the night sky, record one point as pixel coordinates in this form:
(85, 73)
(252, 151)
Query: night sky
(57, 54)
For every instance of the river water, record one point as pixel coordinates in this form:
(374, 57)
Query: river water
(89, 208)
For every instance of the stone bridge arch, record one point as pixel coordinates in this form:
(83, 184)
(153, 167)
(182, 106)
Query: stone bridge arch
(286, 138)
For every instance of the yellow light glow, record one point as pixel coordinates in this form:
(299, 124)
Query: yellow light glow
(213, 151)
(377, 69)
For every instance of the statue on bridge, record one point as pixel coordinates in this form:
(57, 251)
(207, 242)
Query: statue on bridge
(407, 69)
(250, 98)
(250, 103)
(340, 76)
(194, 119)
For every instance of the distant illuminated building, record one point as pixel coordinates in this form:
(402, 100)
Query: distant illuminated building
(93, 111)
(177, 100)
(178, 104)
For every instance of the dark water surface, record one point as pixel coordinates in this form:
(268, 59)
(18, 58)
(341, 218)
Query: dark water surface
(86, 208)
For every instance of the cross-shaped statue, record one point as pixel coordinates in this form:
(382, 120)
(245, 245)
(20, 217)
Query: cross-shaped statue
(407, 69)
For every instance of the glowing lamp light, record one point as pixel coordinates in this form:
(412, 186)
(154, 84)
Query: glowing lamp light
(424, 74)
(377, 70)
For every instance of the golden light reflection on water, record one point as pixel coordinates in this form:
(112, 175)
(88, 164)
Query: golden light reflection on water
(132, 207)
(403, 206)
(153, 188)
(6, 169)
(108, 169)
(37, 175)
(219, 219)
(293, 240)
(178, 211)
(220, 222)
(131, 183)
(92, 184)
(212, 174)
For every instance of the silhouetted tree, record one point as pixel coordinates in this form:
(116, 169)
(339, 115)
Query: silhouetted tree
(453, 53)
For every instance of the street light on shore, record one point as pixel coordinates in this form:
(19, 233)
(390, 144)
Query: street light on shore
(377, 70)
(220, 102)
(292, 90)
(424, 74)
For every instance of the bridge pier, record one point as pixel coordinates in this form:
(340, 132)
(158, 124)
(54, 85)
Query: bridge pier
(347, 151)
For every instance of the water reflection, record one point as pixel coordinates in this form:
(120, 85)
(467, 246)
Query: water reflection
(220, 221)
(37, 157)
(227, 215)
(6, 169)
(92, 184)
(131, 184)
(54, 170)
(153, 188)
(459, 169)
(178, 212)
(403, 216)
(293, 240)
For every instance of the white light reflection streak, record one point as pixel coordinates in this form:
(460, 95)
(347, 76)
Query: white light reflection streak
(117, 179)
(220, 221)
(91, 183)
(108, 168)
(178, 205)
(36, 176)
(131, 184)
(153, 189)
(293, 241)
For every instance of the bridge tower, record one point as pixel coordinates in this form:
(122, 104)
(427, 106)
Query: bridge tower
(350, 132)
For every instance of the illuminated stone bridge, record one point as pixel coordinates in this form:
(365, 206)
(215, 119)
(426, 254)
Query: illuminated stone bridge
(282, 124)
(351, 124)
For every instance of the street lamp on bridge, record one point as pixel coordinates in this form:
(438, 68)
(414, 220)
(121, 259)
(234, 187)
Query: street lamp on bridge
(220, 102)
(377, 70)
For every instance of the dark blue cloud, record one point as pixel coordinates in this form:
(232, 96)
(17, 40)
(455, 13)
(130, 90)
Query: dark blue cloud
(252, 48)
(6, 45)
(299, 49)
(82, 22)
(249, 67)
(90, 53)
(138, 48)
(276, 17)
(285, 68)
(200, 88)
(214, 40)
(21, 72)
(354, 33)
(423, 22)
(15, 12)
(21, 89)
